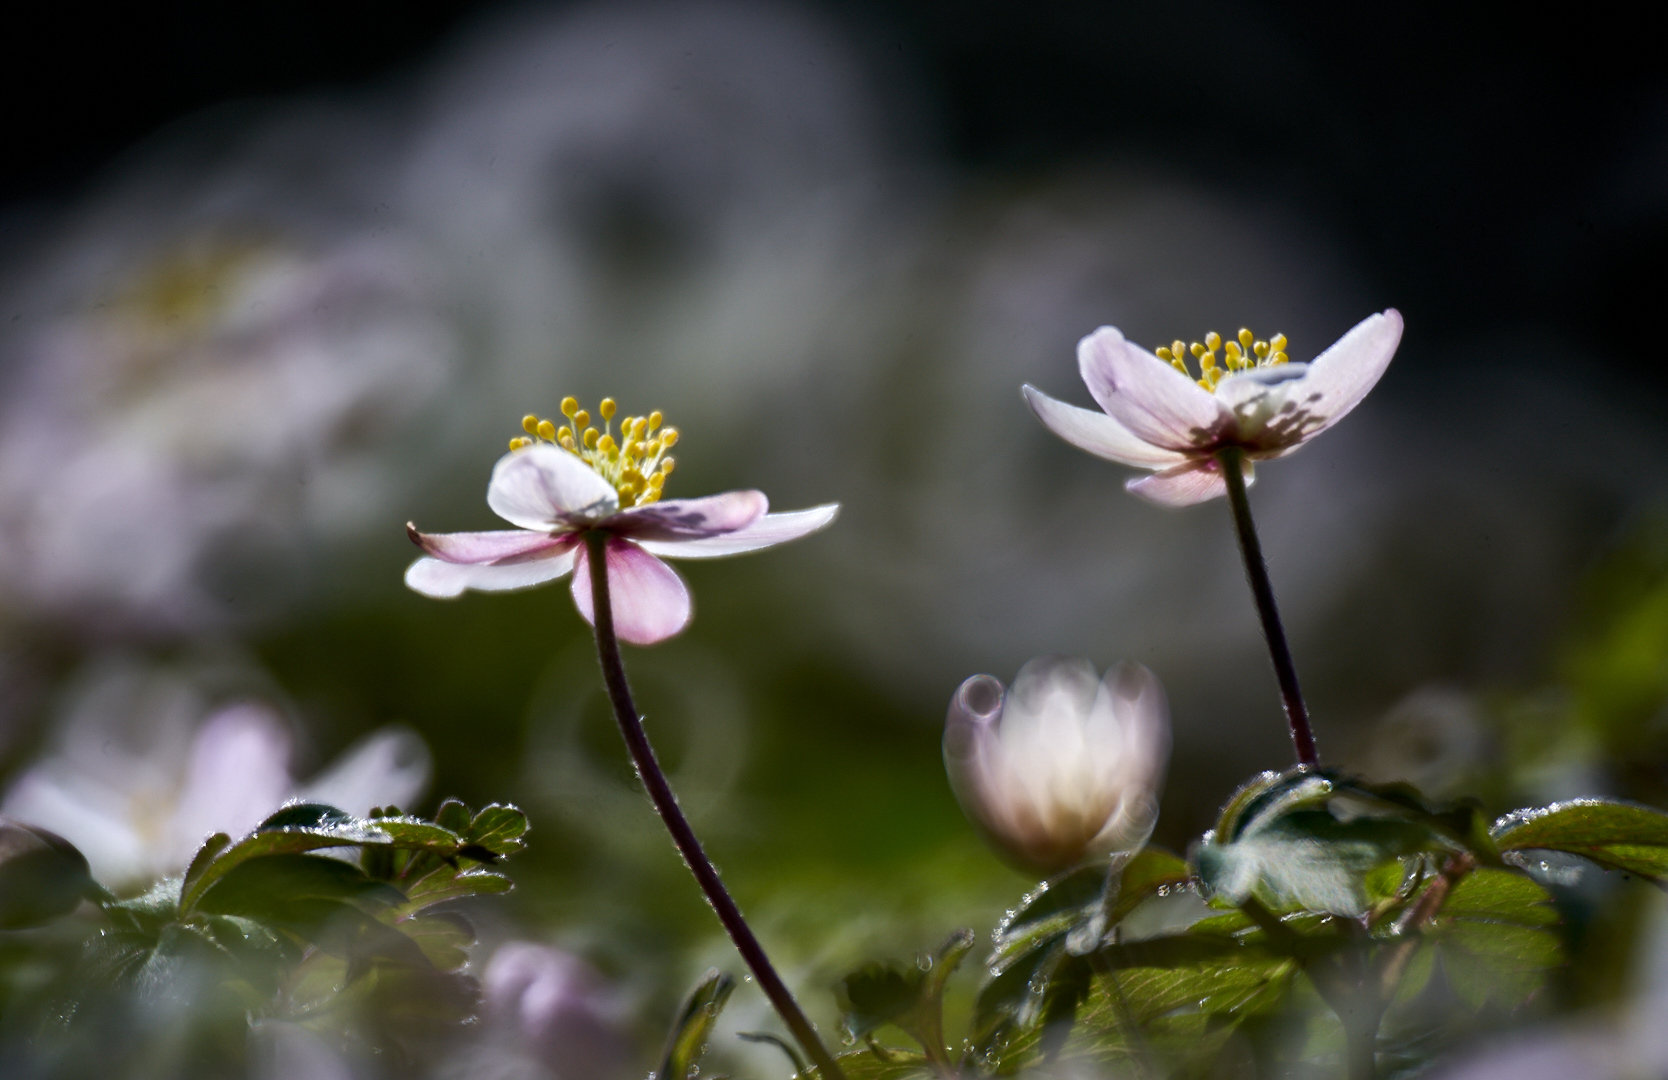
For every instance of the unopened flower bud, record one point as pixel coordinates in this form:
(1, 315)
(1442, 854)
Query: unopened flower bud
(1062, 768)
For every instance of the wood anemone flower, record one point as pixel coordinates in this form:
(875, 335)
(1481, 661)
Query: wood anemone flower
(554, 497)
(1158, 415)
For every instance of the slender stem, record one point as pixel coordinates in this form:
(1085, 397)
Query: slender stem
(1256, 572)
(666, 804)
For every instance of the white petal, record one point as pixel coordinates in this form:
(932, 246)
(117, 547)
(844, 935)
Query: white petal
(650, 601)
(691, 519)
(239, 774)
(444, 580)
(1157, 403)
(543, 487)
(485, 547)
(1097, 433)
(768, 531)
(1342, 375)
(389, 767)
(1195, 482)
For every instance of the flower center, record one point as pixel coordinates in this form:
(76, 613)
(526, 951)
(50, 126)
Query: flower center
(1242, 355)
(635, 462)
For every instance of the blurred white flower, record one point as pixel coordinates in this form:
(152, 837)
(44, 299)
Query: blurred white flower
(140, 812)
(558, 1010)
(1063, 767)
(189, 395)
(1158, 416)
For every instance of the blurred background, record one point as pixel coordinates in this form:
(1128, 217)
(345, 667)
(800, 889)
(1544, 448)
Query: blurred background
(275, 279)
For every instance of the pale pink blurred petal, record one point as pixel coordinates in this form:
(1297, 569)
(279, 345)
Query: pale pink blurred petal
(1195, 482)
(650, 600)
(557, 1005)
(1153, 400)
(691, 519)
(444, 580)
(543, 487)
(485, 547)
(238, 774)
(768, 531)
(1098, 433)
(389, 767)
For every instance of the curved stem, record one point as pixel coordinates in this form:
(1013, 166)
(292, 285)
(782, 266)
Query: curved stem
(1232, 460)
(666, 804)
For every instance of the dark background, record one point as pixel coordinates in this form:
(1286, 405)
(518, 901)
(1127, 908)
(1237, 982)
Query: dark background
(1489, 168)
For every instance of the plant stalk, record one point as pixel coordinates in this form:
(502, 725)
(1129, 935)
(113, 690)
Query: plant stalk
(683, 835)
(1231, 460)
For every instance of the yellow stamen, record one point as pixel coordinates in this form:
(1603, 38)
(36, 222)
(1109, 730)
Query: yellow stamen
(1243, 354)
(634, 464)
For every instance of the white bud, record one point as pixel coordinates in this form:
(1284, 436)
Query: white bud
(1063, 768)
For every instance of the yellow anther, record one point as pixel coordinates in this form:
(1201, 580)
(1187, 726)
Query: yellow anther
(517, 443)
(669, 437)
(590, 438)
(569, 407)
(1245, 337)
(1163, 353)
(1197, 350)
(657, 481)
(650, 496)
(654, 420)
(547, 431)
(581, 419)
(564, 435)
(1207, 362)
(1277, 343)
(651, 448)
(607, 444)
(1213, 341)
(639, 428)
(1178, 348)
(607, 408)
(1278, 358)
(1261, 349)
(530, 424)
(568, 443)
(667, 466)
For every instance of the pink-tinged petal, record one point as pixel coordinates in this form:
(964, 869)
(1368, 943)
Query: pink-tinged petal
(1097, 433)
(691, 519)
(444, 580)
(768, 531)
(1195, 482)
(1157, 403)
(543, 487)
(485, 547)
(1341, 376)
(650, 600)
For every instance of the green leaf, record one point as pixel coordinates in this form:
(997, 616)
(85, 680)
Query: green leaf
(1616, 835)
(1495, 939)
(910, 998)
(688, 1038)
(498, 828)
(444, 938)
(42, 876)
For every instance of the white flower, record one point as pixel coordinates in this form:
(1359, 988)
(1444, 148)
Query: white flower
(557, 490)
(1063, 767)
(558, 1008)
(1159, 416)
(139, 814)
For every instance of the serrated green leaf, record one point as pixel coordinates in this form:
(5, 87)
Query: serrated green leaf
(1494, 937)
(865, 1064)
(688, 1038)
(908, 997)
(1616, 835)
(499, 828)
(448, 883)
(453, 815)
(444, 938)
